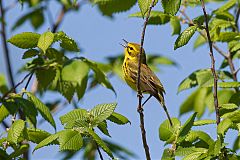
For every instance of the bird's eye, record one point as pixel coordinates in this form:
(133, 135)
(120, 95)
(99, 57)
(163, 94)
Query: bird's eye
(131, 48)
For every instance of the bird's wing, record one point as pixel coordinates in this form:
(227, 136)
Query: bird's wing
(149, 81)
(152, 78)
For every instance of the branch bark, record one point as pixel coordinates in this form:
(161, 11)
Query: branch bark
(215, 96)
(5, 46)
(139, 93)
(59, 19)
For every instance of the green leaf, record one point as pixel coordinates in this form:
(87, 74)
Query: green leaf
(45, 41)
(176, 26)
(78, 80)
(23, 148)
(100, 76)
(194, 136)
(3, 84)
(37, 135)
(37, 19)
(199, 101)
(15, 131)
(181, 151)
(28, 108)
(101, 112)
(144, 5)
(233, 116)
(188, 103)
(42, 108)
(184, 37)
(109, 7)
(225, 108)
(47, 141)
(217, 147)
(168, 154)
(236, 144)
(103, 128)
(224, 15)
(31, 16)
(234, 46)
(223, 98)
(66, 42)
(166, 130)
(187, 126)
(45, 76)
(30, 53)
(171, 7)
(155, 18)
(223, 126)
(201, 77)
(4, 113)
(69, 119)
(70, 140)
(193, 156)
(204, 122)
(229, 4)
(25, 40)
(118, 118)
(226, 37)
(66, 88)
(100, 142)
(235, 98)
(200, 40)
(225, 84)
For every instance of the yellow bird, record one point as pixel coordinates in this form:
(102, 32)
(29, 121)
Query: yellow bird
(149, 82)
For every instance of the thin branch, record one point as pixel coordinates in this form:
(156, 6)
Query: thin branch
(19, 83)
(215, 96)
(237, 71)
(5, 46)
(190, 22)
(99, 152)
(59, 19)
(139, 93)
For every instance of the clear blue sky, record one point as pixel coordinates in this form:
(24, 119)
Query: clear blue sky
(99, 37)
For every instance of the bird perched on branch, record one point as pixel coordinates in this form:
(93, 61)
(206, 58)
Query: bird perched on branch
(149, 82)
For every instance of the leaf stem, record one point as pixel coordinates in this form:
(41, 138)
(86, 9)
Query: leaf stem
(139, 93)
(215, 96)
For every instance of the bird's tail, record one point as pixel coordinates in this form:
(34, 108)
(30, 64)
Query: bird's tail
(161, 101)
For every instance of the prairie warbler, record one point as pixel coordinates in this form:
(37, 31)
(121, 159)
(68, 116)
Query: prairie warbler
(149, 82)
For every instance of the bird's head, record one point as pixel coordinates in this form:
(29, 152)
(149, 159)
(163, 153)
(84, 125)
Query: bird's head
(132, 51)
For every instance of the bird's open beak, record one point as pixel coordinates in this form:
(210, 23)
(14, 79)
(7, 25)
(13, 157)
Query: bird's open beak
(126, 42)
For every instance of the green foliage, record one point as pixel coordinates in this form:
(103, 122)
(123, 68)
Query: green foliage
(36, 17)
(25, 40)
(171, 7)
(55, 71)
(109, 7)
(45, 41)
(70, 140)
(176, 26)
(144, 6)
(184, 37)
(4, 113)
(118, 118)
(102, 112)
(155, 18)
(224, 126)
(42, 108)
(66, 42)
(80, 123)
(15, 131)
(202, 78)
